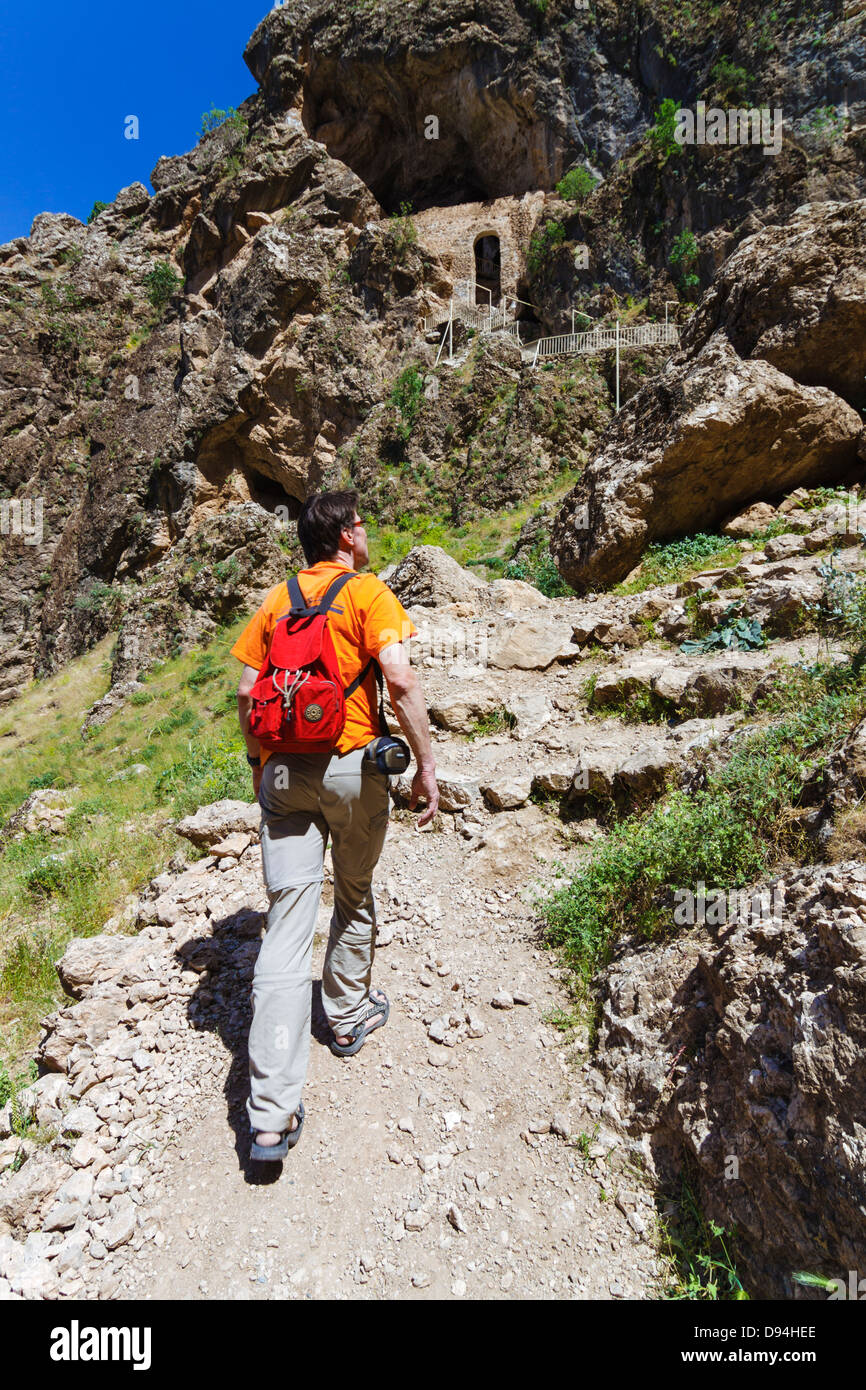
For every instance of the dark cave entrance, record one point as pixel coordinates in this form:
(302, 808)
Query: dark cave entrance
(488, 270)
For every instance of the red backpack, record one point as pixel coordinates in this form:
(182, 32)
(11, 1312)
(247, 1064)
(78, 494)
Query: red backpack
(298, 700)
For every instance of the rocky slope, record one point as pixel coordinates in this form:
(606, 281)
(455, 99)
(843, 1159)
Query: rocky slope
(765, 396)
(183, 371)
(736, 1040)
(234, 339)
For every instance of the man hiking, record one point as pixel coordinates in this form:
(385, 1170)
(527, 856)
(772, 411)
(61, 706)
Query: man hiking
(305, 797)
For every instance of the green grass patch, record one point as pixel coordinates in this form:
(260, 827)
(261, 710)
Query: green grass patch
(675, 561)
(700, 1254)
(539, 569)
(727, 834)
(486, 541)
(496, 722)
(182, 727)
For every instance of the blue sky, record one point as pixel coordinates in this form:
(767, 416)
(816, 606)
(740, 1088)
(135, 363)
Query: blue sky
(70, 74)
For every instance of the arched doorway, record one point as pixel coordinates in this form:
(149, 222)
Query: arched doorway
(488, 269)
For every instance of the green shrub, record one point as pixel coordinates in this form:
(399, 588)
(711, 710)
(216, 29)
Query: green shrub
(683, 260)
(539, 569)
(494, 723)
(732, 633)
(207, 669)
(213, 119)
(732, 83)
(10, 1088)
(207, 772)
(576, 185)
(672, 561)
(96, 597)
(403, 233)
(58, 873)
(407, 394)
(726, 834)
(661, 133)
(163, 283)
(182, 719)
(543, 240)
(97, 208)
(225, 570)
(701, 1253)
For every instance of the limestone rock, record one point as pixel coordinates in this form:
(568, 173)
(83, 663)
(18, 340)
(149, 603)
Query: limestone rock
(89, 959)
(214, 823)
(530, 646)
(746, 1042)
(460, 708)
(44, 812)
(815, 332)
(428, 577)
(507, 794)
(532, 711)
(25, 1195)
(755, 518)
(711, 432)
(516, 596)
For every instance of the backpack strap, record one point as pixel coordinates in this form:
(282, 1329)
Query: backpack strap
(383, 723)
(299, 606)
(296, 597)
(333, 589)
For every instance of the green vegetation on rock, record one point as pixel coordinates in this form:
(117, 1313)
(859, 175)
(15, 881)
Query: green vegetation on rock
(732, 830)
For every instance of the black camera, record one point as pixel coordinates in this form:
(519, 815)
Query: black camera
(391, 755)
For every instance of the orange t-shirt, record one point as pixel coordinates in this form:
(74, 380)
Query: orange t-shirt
(370, 617)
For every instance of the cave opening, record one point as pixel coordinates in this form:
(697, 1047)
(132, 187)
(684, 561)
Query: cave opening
(488, 269)
(272, 496)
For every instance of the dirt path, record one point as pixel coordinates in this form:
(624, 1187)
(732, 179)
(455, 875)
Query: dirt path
(417, 1174)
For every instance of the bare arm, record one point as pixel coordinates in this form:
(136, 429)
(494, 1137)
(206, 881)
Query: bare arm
(245, 685)
(407, 697)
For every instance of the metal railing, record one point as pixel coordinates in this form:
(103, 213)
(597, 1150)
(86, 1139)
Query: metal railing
(602, 339)
(484, 318)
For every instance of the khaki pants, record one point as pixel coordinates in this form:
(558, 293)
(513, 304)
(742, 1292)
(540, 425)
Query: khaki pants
(304, 797)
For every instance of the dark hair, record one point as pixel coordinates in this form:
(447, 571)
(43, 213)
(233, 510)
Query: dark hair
(323, 516)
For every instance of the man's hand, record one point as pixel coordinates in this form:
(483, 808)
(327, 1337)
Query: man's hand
(408, 702)
(257, 780)
(424, 784)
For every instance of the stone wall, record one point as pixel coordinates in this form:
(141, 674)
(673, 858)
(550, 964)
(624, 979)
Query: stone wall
(451, 233)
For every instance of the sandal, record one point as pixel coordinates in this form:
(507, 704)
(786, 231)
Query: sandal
(272, 1153)
(359, 1033)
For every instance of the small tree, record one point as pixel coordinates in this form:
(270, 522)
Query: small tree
(683, 260)
(541, 243)
(662, 132)
(213, 119)
(403, 230)
(97, 208)
(162, 283)
(576, 185)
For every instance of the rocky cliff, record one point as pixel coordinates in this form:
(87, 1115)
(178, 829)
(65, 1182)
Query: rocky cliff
(223, 341)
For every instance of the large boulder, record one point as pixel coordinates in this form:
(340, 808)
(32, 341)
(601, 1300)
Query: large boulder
(796, 297)
(531, 645)
(429, 577)
(740, 1047)
(707, 436)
